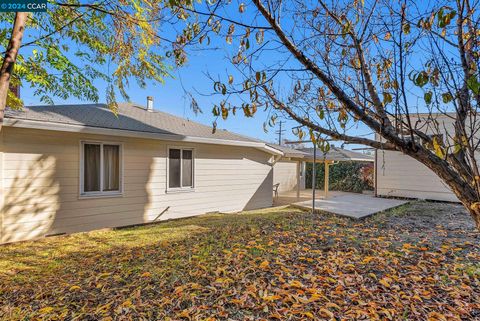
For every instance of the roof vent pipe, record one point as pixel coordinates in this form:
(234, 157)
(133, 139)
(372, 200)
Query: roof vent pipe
(149, 103)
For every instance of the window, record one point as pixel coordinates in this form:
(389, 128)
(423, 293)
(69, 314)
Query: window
(180, 168)
(100, 168)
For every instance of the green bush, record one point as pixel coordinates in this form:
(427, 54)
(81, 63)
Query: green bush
(344, 176)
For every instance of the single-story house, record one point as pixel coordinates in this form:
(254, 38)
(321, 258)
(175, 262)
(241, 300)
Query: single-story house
(71, 168)
(399, 175)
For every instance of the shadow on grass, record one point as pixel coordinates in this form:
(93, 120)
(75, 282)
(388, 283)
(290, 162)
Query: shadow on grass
(44, 257)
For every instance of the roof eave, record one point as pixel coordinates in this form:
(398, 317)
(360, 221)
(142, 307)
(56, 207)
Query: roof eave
(32, 124)
(272, 150)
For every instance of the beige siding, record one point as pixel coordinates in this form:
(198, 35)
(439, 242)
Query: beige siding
(402, 176)
(40, 177)
(285, 174)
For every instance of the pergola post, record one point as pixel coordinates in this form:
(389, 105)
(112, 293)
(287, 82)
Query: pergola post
(298, 179)
(326, 179)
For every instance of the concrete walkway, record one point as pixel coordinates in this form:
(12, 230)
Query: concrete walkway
(350, 204)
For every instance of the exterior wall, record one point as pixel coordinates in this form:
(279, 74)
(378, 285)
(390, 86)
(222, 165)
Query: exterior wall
(40, 177)
(402, 176)
(285, 173)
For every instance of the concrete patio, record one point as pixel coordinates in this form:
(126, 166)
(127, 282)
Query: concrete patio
(352, 205)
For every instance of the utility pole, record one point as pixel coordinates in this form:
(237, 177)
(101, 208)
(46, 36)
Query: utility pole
(280, 132)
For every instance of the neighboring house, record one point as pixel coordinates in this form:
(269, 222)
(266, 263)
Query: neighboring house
(74, 168)
(399, 175)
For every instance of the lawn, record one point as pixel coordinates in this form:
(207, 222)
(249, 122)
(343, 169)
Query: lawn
(418, 262)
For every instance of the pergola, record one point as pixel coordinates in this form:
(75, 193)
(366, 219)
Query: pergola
(314, 155)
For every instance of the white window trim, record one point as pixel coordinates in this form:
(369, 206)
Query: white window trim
(181, 188)
(100, 194)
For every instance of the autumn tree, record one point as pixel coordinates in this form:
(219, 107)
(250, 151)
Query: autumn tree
(393, 66)
(62, 52)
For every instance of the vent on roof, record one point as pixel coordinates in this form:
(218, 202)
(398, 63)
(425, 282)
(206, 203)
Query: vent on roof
(149, 103)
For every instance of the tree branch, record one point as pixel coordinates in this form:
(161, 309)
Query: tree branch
(385, 131)
(331, 133)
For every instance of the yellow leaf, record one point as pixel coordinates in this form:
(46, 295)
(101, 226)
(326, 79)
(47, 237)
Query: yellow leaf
(275, 315)
(437, 146)
(296, 284)
(195, 286)
(127, 304)
(332, 305)
(418, 298)
(45, 310)
(74, 287)
(146, 274)
(271, 298)
(475, 206)
(308, 314)
(264, 265)
(385, 282)
(327, 313)
(104, 275)
(184, 314)
(237, 301)
(435, 316)
(407, 246)
(315, 297)
(367, 259)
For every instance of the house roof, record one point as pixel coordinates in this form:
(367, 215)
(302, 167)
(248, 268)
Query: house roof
(135, 121)
(337, 154)
(130, 117)
(131, 121)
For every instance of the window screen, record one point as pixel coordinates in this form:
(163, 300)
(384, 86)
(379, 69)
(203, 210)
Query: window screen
(91, 168)
(111, 167)
(180, 168)
(187, 168)
(174, 168)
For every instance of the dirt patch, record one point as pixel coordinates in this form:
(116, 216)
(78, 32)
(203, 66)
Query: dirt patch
(433, 222)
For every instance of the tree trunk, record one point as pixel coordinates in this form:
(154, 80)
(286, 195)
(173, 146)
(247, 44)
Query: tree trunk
(10, 58)
(473, 208)
(467, 196)
(466, 193)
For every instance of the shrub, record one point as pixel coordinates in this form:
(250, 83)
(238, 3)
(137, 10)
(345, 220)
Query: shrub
(344, 176)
